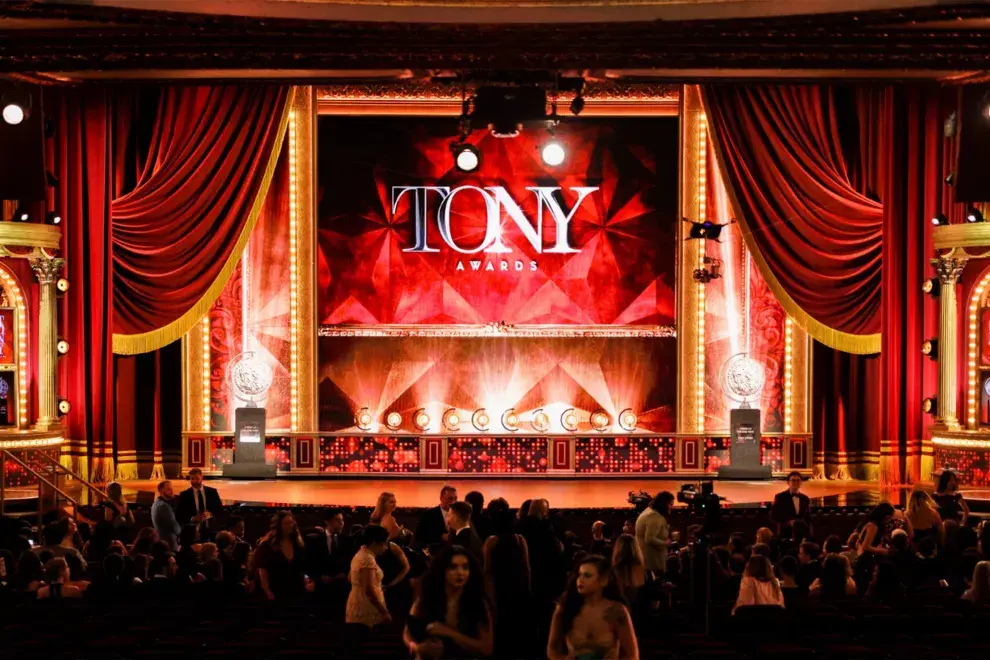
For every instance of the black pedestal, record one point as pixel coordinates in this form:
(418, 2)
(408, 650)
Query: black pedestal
(249, 447)
(744, 455)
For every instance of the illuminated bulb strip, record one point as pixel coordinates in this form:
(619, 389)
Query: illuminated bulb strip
(702, 211)
(206, 373)
(788, 371)
(14, 291)
(293, 281)
(971, 354)
(31, 442)
(961, 442)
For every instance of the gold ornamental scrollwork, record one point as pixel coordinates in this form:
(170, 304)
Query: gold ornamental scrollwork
(47, 269)
(499, 329)
(949, 268)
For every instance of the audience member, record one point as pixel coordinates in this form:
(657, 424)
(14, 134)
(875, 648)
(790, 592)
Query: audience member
(836, 582)
(950, 502)
(507, 568)
(809, 564)
(115, 509)
(599, 543)
(236, 527)
(461, 532)
(979, 589)
(759, 586)
(280, 559)
(432, 526)
(653, 532)
(791, 504)
(163, 517)
(764, 535)
(787, 571)
(30, 573)
(885, 588)
(198, 503)
(366, 602)
(480, 520)
(922, 513)
(59, 537)
(57, 578)
(629, 568)
(382, 515)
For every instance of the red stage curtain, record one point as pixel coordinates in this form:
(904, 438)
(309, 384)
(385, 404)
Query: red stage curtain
(817, 240)
(179, 233)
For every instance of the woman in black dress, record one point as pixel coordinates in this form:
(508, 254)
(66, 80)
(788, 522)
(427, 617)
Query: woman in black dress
(951, 505)
(508, 572)
(280, 560)
(117, 513)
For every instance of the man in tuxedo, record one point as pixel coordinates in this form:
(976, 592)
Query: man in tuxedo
(461, 532)
(432, 527)
(791, 504)
(339, 547)
(199, 503)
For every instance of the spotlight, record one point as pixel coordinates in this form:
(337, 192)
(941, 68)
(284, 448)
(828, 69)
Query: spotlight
(20, 214)
(974, 215)
(393, 420)
(421, 419)
(64, 406)
(627, 420)
(14, 113)
(950, 125)
(931, 286)
(930, 406)
(480, 419)
(62, 347)
(53, 218)
(930, 348)
(939, 219)
(553, 154)
(467, 158)
(569, 420)
(363, 419)
(706, 230)
(950, 178)
(62, 285)
(577, 105)
(541, 421)
(510, 420)
(451, 420)
(51, 179)
(599, 421)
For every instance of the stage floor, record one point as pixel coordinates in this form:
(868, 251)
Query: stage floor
(570, 494)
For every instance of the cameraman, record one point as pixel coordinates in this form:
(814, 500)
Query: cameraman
(653, 532)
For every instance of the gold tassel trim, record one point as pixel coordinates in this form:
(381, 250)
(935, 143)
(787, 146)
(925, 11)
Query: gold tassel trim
(127, 471)
(102, 470)
(842, 341)
(819, 471)
(157, 472)
(152, 340)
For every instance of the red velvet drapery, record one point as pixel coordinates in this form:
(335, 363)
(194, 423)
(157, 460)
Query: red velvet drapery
(818, 240)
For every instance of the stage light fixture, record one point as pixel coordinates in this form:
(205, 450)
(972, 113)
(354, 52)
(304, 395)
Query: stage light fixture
(53, 218)
(64, 406)
(974, 215)
(929, 347)
(939, 219)
(553, 154)
(599, 420)
(20, 214)
(628, 420)
(451, 420)
(421, 419)
(62, 347)
(393, 420)
(569, 420)
(480, 419)
(950, 178)
(51, 179)
(14, 113)
(541, 420)
(510, 420)
(931, 286)
(363, 419)
(467, 157)
(930, 406)
(62, 285)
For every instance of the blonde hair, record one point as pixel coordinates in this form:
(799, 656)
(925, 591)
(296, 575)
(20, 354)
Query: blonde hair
(979, 592)
(379, 512)
(919, 501)
(539, 508)
(764, 535)
(760, 569)
(626, 557)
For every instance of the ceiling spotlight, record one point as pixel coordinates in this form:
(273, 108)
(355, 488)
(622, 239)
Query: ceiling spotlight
(599, 420)
(974, 215)
(62, 347)
(467, 157)
(393, 420)
(569, 420)
(510, 420)
(930, 348)
(553, 154)
(14, 113)
(421, 419)
(541, 421)
(930, 406)
(363, 419)
(451, 420)
(627, 420)
(53, 218)
(939, 219)
(480, 419)
(62, 285)
(64, 406)
(20, 214)
(931, 286)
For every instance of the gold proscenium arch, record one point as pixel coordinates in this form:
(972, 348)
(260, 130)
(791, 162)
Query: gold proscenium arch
(15, 296)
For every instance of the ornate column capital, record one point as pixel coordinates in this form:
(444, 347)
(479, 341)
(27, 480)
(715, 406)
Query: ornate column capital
(47, 270)
(949, 269)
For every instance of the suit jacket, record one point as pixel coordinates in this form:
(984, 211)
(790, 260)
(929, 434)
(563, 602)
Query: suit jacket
(469, 540)
(322, 561)
(431, 528)
(652, 530)
(186, 507)
(783, 511)
(163, 518)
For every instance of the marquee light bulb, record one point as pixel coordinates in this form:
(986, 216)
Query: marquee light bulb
(541, 421)
(553, 154)
(393, 420)
(467, 158)
(421, 419)
(480, 419)
(628, 420)
(510, 420)
(599, 420)
(363, 419)
(451, 420)
(569, 420)
(62, 347)
(64, 406)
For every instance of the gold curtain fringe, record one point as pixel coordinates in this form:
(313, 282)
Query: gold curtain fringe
(102, 470)
(841, 341)
(152, 340)
(157, 472)
(126, 471)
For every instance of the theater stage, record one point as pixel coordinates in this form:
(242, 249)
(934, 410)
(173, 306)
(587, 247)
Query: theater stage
(571, 494)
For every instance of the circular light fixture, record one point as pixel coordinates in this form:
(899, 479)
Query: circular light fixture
(480, 419)
(552, 154)
(974, 215)
(930, 348)
(569, 420)
(467, 157)
(62, 285)
(62, 347)
(53, 218)
(931, 286)
(363, 419)
(930, 405)
(599, 420)
(451, 420)
(627, 420)
(64, 406)
(939, 219)
(393, 420)
(541, 421)
(13, 114)
(510, 420)
(421, 419)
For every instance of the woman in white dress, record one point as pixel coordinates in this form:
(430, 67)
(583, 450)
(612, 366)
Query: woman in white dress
(366, 602)
(759, 586)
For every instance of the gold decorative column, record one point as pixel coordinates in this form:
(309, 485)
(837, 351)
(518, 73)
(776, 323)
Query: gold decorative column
(47, 271)
(949, 269)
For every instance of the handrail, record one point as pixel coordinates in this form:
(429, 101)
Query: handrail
(5, 453)
(59, 466)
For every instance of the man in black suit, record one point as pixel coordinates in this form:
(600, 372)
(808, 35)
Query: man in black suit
(461, 532)
(432, 527)
(199, 503)
(337, 549)
(791, 504)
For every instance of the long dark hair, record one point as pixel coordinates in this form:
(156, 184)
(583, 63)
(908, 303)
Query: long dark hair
(571, 601)
(274, 536)
(473, 609)
(943, 480)
(506, 564)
